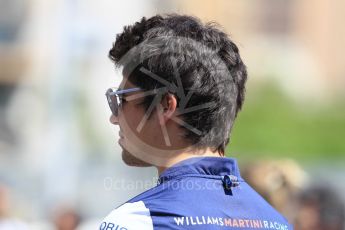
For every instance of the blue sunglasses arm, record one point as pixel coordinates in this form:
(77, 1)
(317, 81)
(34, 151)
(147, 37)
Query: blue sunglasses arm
(118, 92)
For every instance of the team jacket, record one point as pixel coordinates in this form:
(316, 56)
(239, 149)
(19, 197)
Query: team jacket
(198, 193)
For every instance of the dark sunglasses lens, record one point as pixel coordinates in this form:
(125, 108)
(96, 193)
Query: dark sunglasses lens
(112, 101)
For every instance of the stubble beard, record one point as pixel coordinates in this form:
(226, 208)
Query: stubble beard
(132, 160)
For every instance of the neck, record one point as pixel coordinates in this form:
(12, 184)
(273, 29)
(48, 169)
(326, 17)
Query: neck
(184, 156)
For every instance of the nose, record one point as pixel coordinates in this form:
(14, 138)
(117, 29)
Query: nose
(114, 119)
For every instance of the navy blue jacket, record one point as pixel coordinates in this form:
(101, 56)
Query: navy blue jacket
(197, 193)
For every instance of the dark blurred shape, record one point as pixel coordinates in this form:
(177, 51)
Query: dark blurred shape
(278, 181)
(13, 61)
(320, 208)
(12, 17)
(7, 137)
(66, 219)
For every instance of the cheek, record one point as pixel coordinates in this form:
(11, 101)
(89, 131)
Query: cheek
(148, 132)
(129, 124)
(152, 132)
(130, 121)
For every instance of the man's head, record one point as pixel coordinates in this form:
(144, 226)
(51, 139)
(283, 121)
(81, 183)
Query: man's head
(320, 208)
(192, 82)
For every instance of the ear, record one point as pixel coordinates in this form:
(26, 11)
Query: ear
(167, 108)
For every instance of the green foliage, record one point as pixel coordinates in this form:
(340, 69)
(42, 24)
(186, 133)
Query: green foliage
(273, 125)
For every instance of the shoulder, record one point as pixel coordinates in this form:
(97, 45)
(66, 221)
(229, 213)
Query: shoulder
(133, 215)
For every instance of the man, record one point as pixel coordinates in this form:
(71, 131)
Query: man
(183, 84)
(320, 208)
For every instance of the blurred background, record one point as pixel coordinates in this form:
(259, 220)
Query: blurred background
(60, 163)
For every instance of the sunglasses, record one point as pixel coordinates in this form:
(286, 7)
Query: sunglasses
(115, 98)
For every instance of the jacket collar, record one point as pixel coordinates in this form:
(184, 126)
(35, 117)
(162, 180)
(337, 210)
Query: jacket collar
(207, 166)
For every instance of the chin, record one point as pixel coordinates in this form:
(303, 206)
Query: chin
(131, 160)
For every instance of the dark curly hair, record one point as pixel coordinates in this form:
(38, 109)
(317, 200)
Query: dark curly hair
(198, 60)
